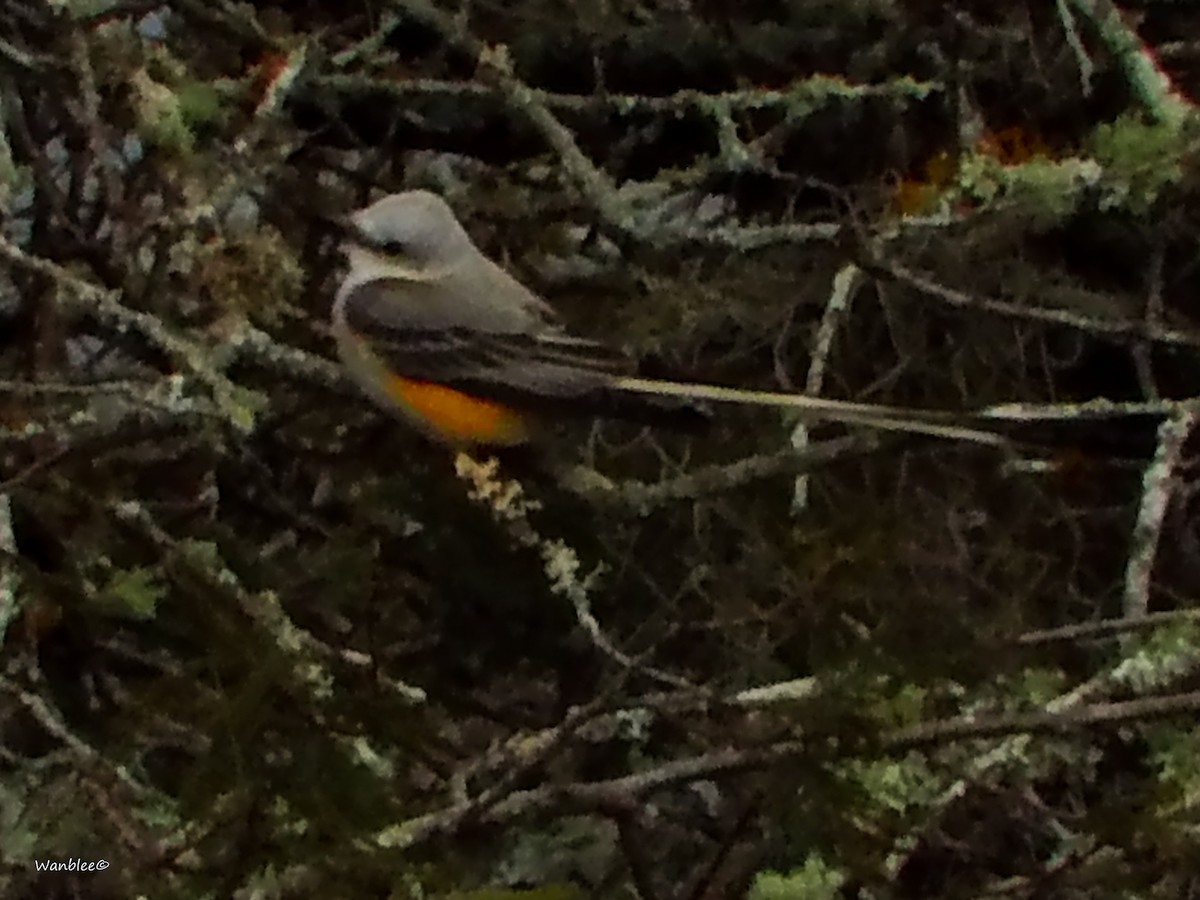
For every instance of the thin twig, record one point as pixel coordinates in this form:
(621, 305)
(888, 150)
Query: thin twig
(837, 308)
(1158, 484)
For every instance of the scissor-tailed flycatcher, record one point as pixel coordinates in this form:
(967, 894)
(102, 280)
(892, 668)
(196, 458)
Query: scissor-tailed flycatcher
(435, 331)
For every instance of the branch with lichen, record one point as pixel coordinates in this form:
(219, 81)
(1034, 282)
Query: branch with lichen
(623, 791)
(1166, 654)
(510, 508)
(837, 309)
(799, 99)
(309, 656)
(1149, 83)
(245, 344)
(95, 416)
(237, 405)
(642, 497)
(9, 580)
(1075, 710)
(617, 207)
(959, 299)
(1159, 482)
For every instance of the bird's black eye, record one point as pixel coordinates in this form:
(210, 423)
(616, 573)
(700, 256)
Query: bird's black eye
(395, 248)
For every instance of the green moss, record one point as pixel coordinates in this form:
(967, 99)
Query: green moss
(815, 880)
(1141, 159)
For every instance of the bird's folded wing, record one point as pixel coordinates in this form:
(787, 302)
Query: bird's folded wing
(420, 342)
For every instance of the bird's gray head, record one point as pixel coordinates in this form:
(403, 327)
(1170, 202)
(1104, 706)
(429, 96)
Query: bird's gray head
(415, 226)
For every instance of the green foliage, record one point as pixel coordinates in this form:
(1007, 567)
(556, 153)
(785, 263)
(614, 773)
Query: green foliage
(1163, 655)
(895, 786)
(160, 115)
(173, 106)
(1176, 755)
(135, 592)
(205, 555)
(1038, 686)
(1046, 191)
(815, 880)
(201, 102)
(1141, 160)
(901, 707)
(577, 847)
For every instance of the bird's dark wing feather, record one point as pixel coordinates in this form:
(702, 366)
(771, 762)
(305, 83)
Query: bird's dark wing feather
(420, 342)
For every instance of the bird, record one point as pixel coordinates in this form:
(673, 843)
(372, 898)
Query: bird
(444, 338)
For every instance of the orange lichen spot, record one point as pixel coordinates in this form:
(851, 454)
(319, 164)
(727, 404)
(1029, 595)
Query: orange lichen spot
(941, 169)
(911, 198)
(459, 418)
(270, 65)
(914, 196)
(266, 71)
(1011, 146)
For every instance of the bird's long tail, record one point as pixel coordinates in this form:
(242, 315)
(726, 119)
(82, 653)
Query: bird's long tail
(1006, 425)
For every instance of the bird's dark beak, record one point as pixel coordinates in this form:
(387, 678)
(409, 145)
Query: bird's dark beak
(340, 227)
